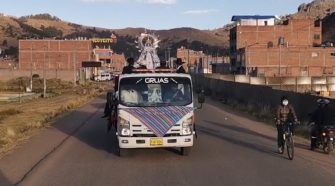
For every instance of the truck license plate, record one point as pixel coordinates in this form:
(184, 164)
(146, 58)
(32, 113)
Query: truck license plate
(156, 142)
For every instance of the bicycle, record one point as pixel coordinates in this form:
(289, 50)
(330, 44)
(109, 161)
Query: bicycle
(288, 140)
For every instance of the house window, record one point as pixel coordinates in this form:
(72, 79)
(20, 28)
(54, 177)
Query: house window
(317, 37)
(317, 23)
(332, 54)
(315, 54)
(286, 22)
(283, 70)
(266, 23)
(328, 70)
(304, 71)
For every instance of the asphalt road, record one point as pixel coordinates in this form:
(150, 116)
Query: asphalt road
(230, 150)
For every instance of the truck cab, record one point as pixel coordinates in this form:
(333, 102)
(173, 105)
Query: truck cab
(155, 110)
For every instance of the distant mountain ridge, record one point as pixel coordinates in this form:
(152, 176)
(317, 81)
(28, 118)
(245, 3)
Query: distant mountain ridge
(317, 9)
(47, 26)
(210, 41)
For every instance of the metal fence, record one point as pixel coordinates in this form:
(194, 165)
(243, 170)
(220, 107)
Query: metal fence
(324, 86)
(260, 97)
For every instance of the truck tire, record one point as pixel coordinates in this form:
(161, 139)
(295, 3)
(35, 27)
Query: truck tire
(119, 151)
(329, 148)
(185, 151)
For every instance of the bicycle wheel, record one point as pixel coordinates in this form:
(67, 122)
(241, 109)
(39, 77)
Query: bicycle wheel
(290, 147)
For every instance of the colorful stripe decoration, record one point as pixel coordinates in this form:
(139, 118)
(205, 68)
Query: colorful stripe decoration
(159, 120)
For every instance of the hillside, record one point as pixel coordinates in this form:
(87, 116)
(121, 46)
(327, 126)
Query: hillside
(316, 9)
(320, 9)
(47, 26)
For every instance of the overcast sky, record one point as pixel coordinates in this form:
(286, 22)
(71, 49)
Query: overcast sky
(152, 14)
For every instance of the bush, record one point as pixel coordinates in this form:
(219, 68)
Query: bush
(9, 112)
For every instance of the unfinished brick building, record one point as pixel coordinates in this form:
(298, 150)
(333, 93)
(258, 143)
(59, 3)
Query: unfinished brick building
(53, 54)
(261, 47)
(68, 54)
(192, 59)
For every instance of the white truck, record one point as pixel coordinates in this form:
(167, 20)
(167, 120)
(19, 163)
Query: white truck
(155, 110)
(105, 76)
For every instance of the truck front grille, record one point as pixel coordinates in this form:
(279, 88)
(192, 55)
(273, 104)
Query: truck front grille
(154, 136)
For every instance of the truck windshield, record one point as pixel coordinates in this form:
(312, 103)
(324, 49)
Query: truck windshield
(155, 91)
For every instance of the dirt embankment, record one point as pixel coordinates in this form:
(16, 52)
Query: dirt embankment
(20, 121)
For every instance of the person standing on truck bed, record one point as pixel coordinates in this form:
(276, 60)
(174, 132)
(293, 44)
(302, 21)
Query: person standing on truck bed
(129, 68)
(162, 66)
(180, 68)
(126, 70)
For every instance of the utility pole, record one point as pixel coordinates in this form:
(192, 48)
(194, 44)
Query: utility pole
(279, 70)
(74, 69)
(246, 59)
(281, 43)
(57, 66)
(169, 54)
(44, 74)
(188, 58)
(31, 68)
(165, 55)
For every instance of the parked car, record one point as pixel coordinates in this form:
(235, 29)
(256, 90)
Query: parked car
(103, 77)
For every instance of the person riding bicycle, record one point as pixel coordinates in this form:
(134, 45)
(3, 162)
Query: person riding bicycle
(322, 116)
(285, 114)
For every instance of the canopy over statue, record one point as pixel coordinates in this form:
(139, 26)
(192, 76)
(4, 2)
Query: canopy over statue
(148, 44)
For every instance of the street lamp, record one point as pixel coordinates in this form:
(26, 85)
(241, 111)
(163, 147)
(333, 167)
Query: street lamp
(247, 61)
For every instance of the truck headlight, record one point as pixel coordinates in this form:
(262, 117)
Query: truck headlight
(188, 122)
(187, 131)
(187, 126)
(125, 132)
(124, 127)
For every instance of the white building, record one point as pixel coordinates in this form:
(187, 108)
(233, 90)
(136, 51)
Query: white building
(255, 20)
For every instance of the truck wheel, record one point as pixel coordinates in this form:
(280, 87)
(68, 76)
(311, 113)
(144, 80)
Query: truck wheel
(185, 151)
(119, 151)
(329, 148)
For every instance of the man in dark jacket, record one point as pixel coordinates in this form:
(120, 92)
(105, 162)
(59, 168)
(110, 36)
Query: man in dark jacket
(162, 65)
(129, 68)
(180, 68)
(322, 116)
(285, 113)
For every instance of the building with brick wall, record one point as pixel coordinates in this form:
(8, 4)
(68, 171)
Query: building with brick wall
(198, 61)
(192, 59)
(54, 54)
(290, 48)
(65, 55)
(118, 62)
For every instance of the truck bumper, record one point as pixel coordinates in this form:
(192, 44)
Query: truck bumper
(146, 142)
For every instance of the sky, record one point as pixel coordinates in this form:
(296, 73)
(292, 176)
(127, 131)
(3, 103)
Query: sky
(150, 14)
